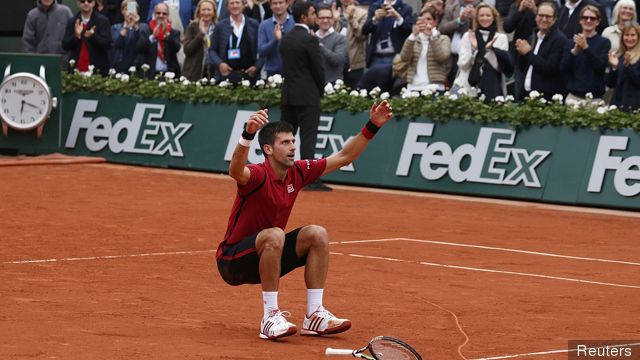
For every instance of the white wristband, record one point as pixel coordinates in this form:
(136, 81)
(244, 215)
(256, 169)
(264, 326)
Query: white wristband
(244, 142)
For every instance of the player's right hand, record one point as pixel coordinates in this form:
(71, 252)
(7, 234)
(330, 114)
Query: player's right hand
(257, 120)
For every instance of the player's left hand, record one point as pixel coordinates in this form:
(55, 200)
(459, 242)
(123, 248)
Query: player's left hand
(257, 120)
(380, 113)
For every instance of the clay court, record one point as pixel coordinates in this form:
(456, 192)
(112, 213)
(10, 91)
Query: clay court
(103, 261)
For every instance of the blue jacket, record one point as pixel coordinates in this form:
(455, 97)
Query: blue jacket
(584, 73)
(626, 84)
(269, 47)
(218, 51)
(398, 34)
(186, 11)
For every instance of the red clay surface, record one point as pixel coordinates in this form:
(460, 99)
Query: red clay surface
(99, 301)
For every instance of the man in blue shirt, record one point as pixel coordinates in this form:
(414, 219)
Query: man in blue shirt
(270, 33)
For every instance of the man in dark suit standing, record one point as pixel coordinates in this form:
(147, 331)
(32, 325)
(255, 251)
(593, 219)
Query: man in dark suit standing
(159, 43)
(303, 81)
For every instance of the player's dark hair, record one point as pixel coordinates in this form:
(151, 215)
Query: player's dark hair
(300, 8)
(269, 132)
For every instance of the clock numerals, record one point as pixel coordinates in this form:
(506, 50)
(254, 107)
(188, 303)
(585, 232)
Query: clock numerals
(7, 91)
(6, 111)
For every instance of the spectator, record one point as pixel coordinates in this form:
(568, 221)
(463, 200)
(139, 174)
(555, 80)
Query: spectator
(333, 46)
(428, 54)
(197, 42)
(259, 10)
(624, 76)
(124, 37)
(354, 17)
(438, 5)
(521, 21)
(585, 58)
(181, 10)
(234, 52)
(389, 23)
(569, 17)
(160, 42)
(270, 34)
(44, 29)
(303, 82)
(484, 60)
(624, 13)
(87, 38)
(539, 60)
(457, 20)
(109, 9)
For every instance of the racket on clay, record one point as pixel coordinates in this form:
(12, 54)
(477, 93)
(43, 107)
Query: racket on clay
(380, 348)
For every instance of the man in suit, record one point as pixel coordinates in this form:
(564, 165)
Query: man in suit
(540, 64)
(303, 81)
(234, 51)
(159, 43)
(389, 23)
(569, 17)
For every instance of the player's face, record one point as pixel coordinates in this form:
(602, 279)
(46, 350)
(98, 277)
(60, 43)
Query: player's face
(284, 149)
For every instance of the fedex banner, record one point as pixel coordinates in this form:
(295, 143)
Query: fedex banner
(549, 164)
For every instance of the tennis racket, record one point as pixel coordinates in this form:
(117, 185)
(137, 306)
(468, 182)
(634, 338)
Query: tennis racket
(380, 348)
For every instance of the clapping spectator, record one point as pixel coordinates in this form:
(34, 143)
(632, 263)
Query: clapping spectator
(585, 58)
(624, 76)
(624, 14)
(521, 20)
(270, 34)
(484, 60)
(44, 29)
(159, 43)
(197, 41)
(539, 58)
(124, 37)
(259, 10)
(87, 38)
(389, 23)
(457, 20)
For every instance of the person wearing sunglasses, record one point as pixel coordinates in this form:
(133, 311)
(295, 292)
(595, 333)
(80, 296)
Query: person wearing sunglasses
(569, 18)
(585, 58)
(88, 38)
(159, 43)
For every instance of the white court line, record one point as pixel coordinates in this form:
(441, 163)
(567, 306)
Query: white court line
(490, 248)
(108, 257)
(548, 352)
(490, 270)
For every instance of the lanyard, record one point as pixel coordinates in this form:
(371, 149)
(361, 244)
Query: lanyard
(239, 38)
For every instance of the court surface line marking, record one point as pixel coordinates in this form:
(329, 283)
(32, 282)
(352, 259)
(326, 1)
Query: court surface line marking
(490, 248)
(548, 352)
(489, 270)
(106, 257)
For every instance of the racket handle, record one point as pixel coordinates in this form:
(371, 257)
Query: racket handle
(330, 351)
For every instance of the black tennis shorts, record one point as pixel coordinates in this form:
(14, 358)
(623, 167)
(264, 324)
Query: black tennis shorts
(244, 269)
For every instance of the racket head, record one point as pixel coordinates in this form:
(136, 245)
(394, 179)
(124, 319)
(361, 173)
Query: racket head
(390, 348)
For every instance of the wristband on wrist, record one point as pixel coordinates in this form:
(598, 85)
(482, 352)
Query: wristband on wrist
(369, 130)
(247, 135)
(244, 142)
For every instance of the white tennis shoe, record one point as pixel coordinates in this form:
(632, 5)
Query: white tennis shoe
(275, 325)
(323, 322)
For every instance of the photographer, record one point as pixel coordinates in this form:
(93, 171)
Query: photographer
(389, 23)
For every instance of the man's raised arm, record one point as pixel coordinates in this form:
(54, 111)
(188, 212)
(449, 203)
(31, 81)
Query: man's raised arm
(379, 115)
(237, 168)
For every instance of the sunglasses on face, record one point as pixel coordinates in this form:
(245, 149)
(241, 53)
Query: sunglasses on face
(85, 1)
(589, 18)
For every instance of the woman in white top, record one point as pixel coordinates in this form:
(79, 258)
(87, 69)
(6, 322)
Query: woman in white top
(624, 13)
(484, 61)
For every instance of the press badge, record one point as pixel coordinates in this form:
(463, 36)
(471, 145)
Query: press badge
(385, 44)
(233, 54)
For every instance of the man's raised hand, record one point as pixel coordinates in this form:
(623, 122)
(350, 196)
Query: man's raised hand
(257, 120)
(380, 113)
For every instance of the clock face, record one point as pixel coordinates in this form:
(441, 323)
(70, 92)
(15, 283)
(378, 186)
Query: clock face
(25, 101)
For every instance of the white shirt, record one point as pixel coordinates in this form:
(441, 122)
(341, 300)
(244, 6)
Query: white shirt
(572, 7)
(527, 78)
(329, 32)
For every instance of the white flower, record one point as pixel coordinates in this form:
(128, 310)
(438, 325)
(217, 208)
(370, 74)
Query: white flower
(260, 83)
(328, 89)
(112, 72)
(270, 79)
(162, 83)
(224, 83)
(557, 98)
(212, 81)
(339, 82)
(589, 96)
(510, 98)
(453, 97)
(426, 93)
(198, 84)
(354, 93)
(463, 91)
(169, 75)
(91, 68)
(338, 85)
(145, 67)
(384, 95)
(124, 78)
(573, 103)
(245, 83)
(277, 79)
(363, 93)
(118, 76)
(375, 91)
(186, 82)
(132, 69)
(534, 94)
(499, 99)
(543, 100)
(343, 91)
(86, 73)
(182, 78)
(613, 107)
(602, 109)
(204, 81)
(482, 97)
(72, 62)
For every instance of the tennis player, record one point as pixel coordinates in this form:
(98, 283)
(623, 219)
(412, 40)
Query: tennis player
(255, 249)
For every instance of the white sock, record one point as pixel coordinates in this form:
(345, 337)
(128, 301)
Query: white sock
(314, 300)
(270, 301)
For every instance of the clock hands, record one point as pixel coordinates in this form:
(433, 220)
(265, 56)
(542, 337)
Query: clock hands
(29, 104)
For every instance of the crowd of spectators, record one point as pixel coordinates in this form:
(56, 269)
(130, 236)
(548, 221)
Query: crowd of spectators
(493, 47)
